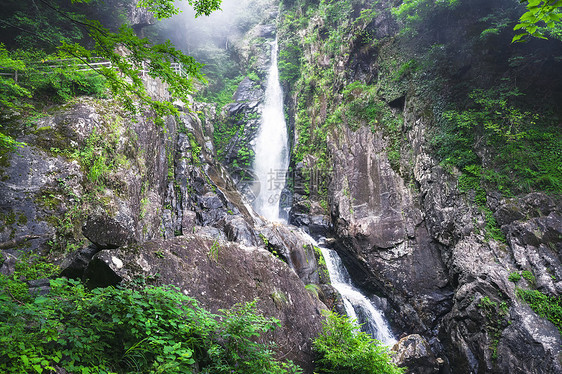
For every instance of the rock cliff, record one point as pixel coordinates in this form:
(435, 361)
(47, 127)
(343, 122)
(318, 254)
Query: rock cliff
(403, 220)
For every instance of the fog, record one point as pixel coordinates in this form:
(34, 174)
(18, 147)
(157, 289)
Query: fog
(210, 38)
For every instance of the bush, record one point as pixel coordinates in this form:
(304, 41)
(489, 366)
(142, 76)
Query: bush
(60, 85)
(342, 348)
(118, 330)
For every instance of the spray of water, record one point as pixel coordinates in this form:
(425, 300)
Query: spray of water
(271, 151)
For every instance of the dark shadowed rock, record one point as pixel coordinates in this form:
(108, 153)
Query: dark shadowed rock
(106, 232)
(103, 270)
(75, 264)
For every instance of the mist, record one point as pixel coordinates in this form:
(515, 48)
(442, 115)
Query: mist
(210, 39)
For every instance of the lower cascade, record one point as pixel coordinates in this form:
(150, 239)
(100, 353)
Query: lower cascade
(357, 305)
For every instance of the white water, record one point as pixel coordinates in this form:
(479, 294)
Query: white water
(357, 305)
(271, 152)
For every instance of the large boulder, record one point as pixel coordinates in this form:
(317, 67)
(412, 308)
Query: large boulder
(220, 274)
(414, 352)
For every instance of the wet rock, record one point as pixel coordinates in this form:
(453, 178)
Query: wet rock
(247, 90)
(315, 225)
(266, 31)
(380, 233)
(293, 248)
(414, 352)
(238, 230)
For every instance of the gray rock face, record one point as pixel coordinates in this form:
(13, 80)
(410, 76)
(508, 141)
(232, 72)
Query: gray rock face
(220, 274)
(414, 352)
(381, 233)
(49, 190)
(425, 250)
(407, 233)
(124, 227)
(106, 232)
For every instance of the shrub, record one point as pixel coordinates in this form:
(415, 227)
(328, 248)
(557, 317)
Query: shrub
(529, 277)
(343, 348)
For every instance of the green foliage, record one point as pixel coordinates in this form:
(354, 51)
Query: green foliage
(290, 63)
(131, 57)
(539, 12)
(29, 267)
(97, 157)
(343, 348)
(166, 8)
(314, 289)
(224, 96)
(412, 13)
(514, 277)
(525, 149)
(8, 144)
(549, 307)
(529, 277)
(214, 251)
(118, 330)
(195, 149)
(361, 106)
(41, 26)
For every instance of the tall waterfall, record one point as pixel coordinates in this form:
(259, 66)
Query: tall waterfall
(271, 151)
(357, 305)
(270, 167)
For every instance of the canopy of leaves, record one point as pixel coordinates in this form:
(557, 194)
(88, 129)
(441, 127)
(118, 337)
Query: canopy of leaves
(539, 13)
(76, 35)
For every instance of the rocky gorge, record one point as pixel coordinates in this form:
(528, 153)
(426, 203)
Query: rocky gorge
(447, 254)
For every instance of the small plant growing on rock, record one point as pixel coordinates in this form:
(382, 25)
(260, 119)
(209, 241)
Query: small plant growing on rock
(497, 316)
(214, 251)
(514, 277)
(529, 277)
(549, 307)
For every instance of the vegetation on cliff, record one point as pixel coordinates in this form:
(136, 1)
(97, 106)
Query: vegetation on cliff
(500, 131)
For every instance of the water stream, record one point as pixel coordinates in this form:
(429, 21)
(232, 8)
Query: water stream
(357, 305)
(270, 167)
(271, 150)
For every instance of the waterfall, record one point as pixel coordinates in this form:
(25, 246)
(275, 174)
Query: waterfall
(270, 167)
(357, 305)
(271, 152)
